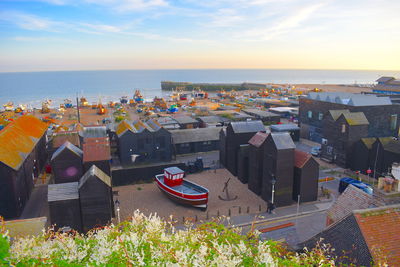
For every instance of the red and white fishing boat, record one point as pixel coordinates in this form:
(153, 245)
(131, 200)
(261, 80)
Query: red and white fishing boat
(181, 190)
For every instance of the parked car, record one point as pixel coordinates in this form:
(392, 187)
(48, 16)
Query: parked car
(316, 151)
(344, 183)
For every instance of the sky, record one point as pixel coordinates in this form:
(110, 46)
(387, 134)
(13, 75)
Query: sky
(197, 34)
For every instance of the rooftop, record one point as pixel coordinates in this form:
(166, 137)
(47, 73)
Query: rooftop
(284, 127)
(350, 99)
(97, 149)
(195, 135)
(258, 139)
(247, 126)
(283, 141)
(94, 171)
(301, 158)
(185, 119)
(67, 146)
(64, 191)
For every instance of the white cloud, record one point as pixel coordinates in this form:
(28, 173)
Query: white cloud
(130, 5)
(28, 21)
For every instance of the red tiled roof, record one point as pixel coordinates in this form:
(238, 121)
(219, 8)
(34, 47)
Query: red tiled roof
(381, 231)
(96, 149)
(258, 139)
(300, 158)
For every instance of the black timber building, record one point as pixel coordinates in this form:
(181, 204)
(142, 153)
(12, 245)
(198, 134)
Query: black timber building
(22, 156)
(143, 142)
(381, 113)
(256, 161)
(306, 174)
(187, 141)
(186, 122)
(67, 164)
(237, 133)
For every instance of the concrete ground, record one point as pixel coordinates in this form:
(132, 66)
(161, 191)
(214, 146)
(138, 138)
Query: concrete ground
(149, 199)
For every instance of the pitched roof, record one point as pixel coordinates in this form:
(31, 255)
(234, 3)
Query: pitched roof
(260, 113)
(122, 127)
(350, 99)
(282, 141)
(93, 131)
(60, 138)
(351, 199)
(284, 127)
(18, 139)
(355, 118)
(380, 229)
(97, 149)
(301, 158)
(154, 124)
(384, 79)
(335, 113)
(64, 191)
(70, 147)
(185, 119)
(195, 135)
(369, 100)
(368, 141)
(247, 126)
(258, 139)
(94, 171)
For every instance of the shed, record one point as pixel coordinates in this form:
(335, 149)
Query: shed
(67, 164)
(212, 121)
(292, 129)
(186, 122)
(96, 151)
(168, 123)
(64, 206)
(305, 179)
(95, 193)
(256, 158)
(263, 115)
(195, 140)
(278, 166)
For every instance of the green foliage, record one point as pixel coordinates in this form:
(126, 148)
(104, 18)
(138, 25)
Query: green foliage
(4, 248)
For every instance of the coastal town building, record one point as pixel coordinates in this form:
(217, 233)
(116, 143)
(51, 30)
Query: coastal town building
(291, 128)
(387, 85)
(168, 123)
(264, 116)
(212, 121)
(67, 163)
(140, 142)
(243, 163)
(58, 139)
(22, 156)
(236, 134)
(305, 177)
(96, 151)
(381, 114)
(196, 140)
(256, 161)
(186, 122)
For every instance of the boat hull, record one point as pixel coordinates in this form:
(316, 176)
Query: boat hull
(199, 200)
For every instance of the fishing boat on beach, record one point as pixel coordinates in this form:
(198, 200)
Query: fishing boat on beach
(9, 106)
(138, 97)
(172, 184)
(84, 102)
(123, 99)
(67, 103)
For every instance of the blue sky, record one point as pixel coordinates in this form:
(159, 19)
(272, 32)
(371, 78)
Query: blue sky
(154, 34)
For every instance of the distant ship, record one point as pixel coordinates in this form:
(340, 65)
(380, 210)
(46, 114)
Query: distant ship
(180, 190)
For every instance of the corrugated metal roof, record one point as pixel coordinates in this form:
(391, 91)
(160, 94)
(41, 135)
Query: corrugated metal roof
(282, 141)
(153, 123)
(94, 131)
(122, 127)
(258, 139)
(94, 171)
(69, 146)
(185, 119)
(139, 126)
(19, 138)
(284, 127)
(355, 118)
(173, 170)
(96, 149)
(301, 158)
(64, 191)
(166, 120)
(247, 126)
(350, 99)
(195, 135)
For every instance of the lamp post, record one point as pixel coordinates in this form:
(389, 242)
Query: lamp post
(118, 209)
(273, 181)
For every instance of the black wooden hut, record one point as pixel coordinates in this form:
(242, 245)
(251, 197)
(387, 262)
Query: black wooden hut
(61, 137)
(305, 180)
(292, 129)
(195, 140)
(187, 122)
(256, 159)
(278, 167)
(96, 151)
(243, 163)
(22, 156)
(384, 152)
(143, 142)
(95, 193)
(360, 160)
(64, 206)
(67, 164)
(239, 133)
(222, 147)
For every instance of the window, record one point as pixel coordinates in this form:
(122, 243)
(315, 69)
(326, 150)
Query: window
(309, 114)
(343, 128)
(320, 116)
(393, 122)
(207, 143)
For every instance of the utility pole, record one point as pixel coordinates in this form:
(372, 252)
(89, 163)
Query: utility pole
(376, 159)
(298, 208)
(77, 107)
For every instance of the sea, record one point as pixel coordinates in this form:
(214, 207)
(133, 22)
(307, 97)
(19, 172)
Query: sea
(31, 88)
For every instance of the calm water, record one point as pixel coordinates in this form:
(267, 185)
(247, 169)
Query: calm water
(33, 87)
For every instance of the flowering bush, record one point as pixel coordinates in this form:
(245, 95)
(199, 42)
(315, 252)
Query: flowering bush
(151, 241)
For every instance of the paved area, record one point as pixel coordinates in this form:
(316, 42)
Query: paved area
(37, 204)
(210, 158)
(149, 199)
